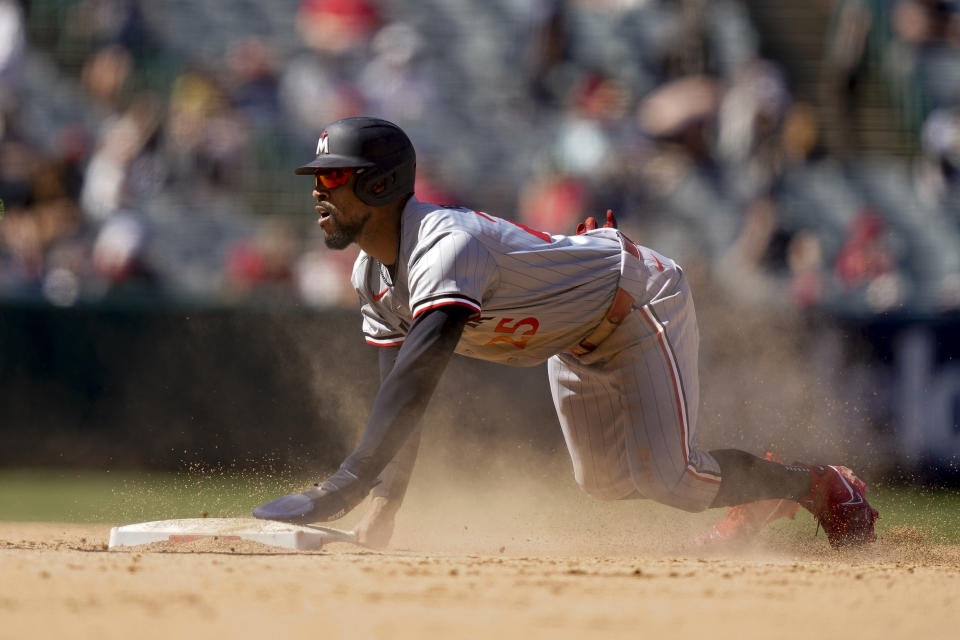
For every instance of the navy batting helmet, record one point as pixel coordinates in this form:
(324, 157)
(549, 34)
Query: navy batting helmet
(377, 149)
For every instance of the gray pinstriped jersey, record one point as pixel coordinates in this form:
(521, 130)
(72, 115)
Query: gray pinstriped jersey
(533, 294)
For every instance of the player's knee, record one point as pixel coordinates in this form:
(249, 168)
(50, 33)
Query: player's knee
(605, 490)
(676, 495)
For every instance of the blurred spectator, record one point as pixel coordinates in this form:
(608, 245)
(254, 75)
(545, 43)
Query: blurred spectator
(554, 203)
(939, 174)
(923, 57)
(71, 150)
(732, 41)
(682, 176)
(119, 253)
(39, 215)
(865, 255)
(843, 68)
(22, 255)
(396, 83)
(750, 119)
(547, 53)
(204, 137)
(12, 47)
(107, 187)
(105, 75)
(694, 37)
(253, 84)
(683, 112)
(116, 22)
(805, 262)
(16, 165)
(314, 95)
(264, 260)
(586, 143)
(801, 133)
(924, 22)
(90, 26)
(751, 109)
(337, 26)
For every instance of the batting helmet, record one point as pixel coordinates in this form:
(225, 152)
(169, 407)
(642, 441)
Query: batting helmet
(377, 149)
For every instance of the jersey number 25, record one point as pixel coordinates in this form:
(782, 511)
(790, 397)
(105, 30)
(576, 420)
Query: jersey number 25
(519, 340)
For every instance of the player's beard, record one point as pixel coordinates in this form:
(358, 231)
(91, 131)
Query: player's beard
(344, 234)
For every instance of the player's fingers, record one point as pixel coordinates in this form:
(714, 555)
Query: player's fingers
(611, 221)
(590, 223)
(581, 228)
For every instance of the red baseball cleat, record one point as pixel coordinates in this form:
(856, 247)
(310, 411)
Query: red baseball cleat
(743, 522)
(837, 501)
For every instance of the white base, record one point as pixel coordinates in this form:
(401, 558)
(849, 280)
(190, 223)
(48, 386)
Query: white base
(278, 534)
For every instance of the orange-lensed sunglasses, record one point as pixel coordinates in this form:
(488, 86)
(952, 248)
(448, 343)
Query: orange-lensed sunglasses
(331, 178)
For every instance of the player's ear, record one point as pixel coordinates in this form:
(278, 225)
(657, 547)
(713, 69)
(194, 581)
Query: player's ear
(379, 186)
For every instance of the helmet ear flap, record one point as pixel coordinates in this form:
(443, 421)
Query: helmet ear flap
(380, 186)
(372, 184)
(377, 187)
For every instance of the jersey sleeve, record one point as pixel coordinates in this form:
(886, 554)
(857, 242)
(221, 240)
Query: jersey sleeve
(377, 331)
(377, 328)
(452, 269)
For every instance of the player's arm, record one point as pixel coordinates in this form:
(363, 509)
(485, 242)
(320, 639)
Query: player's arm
(376, 527)
(406, 390)
(393, 480)
(397, 409)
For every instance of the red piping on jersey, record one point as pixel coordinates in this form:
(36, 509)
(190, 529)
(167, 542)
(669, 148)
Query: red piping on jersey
(630, 246)
(677, 394)
(394, 343)
(483, 215)
(539, 234)
(447, 303)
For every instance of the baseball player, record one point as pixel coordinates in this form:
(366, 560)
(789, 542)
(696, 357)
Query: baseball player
(614, 321)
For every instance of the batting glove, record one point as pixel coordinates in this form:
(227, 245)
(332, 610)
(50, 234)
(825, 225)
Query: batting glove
(590, 224)
(326, 501)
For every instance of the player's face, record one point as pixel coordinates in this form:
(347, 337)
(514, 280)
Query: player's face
(342, 214)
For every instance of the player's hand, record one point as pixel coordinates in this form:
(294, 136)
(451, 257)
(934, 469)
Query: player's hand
(376, 527)
(590, 223)
(330, 500)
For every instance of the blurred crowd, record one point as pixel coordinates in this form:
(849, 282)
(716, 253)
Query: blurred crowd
(146, 148)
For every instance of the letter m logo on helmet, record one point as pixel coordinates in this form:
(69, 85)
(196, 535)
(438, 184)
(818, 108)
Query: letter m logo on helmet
(323, 145)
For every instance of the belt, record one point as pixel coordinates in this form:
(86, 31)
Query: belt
(622, 305)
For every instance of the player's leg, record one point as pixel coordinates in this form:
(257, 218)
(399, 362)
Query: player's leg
(662, 370)
(748, 478)
(627, 420)
(652, 358)
(649, 366)
(633, 403)
(593, 428)
(833, 494)
(743, 522)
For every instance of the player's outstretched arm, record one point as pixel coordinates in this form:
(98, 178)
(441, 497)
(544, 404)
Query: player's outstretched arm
(376, 527)
(397, 410)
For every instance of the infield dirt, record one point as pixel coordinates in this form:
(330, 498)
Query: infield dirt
(561, 570)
